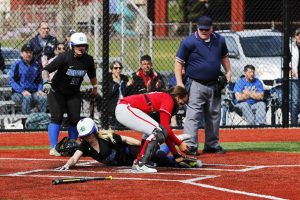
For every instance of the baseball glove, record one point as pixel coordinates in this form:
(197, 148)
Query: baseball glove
(186, 161)
(67, 147)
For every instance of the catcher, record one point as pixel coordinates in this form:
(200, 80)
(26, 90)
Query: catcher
(116, 150)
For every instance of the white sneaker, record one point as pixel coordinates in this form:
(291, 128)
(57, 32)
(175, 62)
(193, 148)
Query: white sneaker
(53, 152)
(143, 168)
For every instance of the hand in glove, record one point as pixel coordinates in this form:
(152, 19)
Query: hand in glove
(47, 87)
(184, 161)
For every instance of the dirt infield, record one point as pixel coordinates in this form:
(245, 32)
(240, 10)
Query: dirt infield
(27, 174)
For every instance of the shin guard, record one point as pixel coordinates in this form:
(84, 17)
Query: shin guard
(151, 145)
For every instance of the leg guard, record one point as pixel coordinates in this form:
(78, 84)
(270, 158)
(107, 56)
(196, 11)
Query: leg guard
(152, 145)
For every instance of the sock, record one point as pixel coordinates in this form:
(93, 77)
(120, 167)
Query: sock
(73, 133)
(164, 147)
(53, 132)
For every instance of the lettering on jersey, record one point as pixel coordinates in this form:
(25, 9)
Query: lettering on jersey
(77, 73)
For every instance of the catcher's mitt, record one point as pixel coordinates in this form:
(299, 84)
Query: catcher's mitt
(67, 147)
(187, 161)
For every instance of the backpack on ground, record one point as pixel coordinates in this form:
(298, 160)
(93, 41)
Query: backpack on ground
(38, 120)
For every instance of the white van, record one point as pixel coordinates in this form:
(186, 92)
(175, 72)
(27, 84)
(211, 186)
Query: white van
(260, 48)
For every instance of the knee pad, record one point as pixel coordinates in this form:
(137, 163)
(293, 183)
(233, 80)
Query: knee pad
(160, 135)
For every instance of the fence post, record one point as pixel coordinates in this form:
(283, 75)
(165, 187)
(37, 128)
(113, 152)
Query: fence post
(105, 66)
(286, 60)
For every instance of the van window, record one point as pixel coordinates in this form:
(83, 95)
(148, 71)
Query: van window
(231, 45)
(262, 46)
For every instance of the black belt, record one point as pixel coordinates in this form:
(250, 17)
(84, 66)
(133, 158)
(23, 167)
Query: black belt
(206, 83)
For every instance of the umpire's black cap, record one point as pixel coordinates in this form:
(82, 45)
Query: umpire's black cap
(204, 22)
(27, 47)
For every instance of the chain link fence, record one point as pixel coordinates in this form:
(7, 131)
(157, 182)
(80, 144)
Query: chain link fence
(254, 32)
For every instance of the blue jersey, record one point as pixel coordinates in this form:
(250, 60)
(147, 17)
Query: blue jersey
(202, 60)
(242, 83)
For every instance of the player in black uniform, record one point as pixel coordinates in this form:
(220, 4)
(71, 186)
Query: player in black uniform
(64, 90)
(113, 149)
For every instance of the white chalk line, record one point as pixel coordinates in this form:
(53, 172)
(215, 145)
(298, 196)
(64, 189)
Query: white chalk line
(188, 181)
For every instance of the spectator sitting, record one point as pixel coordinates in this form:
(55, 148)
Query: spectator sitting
(60, 48)
(43, 45)
(249, 95)
(146, 79)
(26, 81)
(119, 85)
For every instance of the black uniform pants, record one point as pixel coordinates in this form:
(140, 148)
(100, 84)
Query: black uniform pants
(60, 103)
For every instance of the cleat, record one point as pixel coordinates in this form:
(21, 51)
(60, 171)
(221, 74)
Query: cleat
(141, 168)
(192, 151)
(218, 150)
(53, 152)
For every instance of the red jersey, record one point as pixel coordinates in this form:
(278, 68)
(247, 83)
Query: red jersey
(161, 102)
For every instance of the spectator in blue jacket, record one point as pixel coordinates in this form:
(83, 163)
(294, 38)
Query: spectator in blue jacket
(26, 82)
(43, 44)
(249, 95)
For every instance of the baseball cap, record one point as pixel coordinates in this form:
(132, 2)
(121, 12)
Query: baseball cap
(27, 47)
(297, 32)
(204, 22)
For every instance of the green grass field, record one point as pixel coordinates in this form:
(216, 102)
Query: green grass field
(289, 147)
(164, 51)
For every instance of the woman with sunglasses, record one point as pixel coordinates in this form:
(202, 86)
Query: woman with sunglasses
(59, 49)
(64, 89)
(112, 149)
(119, 87)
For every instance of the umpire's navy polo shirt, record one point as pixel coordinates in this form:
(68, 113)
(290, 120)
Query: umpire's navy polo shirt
(202, 61)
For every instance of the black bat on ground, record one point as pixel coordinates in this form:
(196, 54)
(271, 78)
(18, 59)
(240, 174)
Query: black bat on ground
(78, 180)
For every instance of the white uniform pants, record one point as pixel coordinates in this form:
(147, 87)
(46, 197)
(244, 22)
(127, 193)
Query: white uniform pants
(136, 119)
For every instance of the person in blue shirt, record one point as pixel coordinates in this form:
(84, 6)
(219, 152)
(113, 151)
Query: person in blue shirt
(249, 96)
(26, 82)
(201, 54)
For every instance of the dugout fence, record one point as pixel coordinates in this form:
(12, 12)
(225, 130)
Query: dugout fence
(138, 27)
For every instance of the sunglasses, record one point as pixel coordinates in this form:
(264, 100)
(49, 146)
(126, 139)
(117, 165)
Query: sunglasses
(118, 68)
(60, 48)
(81, 45)
(203, 29)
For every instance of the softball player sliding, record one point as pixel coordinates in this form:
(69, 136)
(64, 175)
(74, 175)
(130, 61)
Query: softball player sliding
(132, 112)
(64, 90)
(113, 149)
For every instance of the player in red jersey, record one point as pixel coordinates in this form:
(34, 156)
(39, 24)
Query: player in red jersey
(133, 112)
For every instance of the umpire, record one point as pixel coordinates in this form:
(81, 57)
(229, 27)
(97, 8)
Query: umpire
(64, 90)
(201, 54)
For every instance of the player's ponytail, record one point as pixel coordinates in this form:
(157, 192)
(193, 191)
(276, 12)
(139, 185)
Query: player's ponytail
(178, 91)
(106, 135)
